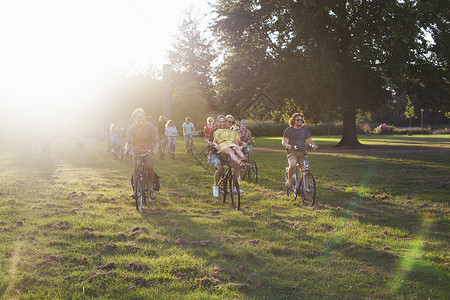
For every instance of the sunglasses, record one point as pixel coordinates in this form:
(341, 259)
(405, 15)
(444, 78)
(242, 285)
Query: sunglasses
(228, 121)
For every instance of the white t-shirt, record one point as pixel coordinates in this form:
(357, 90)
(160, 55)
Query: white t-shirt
(171, 131)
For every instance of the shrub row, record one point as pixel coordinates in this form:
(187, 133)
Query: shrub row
(260, 128)
(271, 129)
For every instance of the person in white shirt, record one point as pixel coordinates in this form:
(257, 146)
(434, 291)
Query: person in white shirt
(171, 134)
(188, 127)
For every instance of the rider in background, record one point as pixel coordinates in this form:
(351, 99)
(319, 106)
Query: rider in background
(246, 139)
(293, 140)
(188, 126)
(141, 138)
(208, 128)
(115, 133)
(171, 134)
(162, 130)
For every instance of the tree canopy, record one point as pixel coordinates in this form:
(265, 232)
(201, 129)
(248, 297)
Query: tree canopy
(331, 57)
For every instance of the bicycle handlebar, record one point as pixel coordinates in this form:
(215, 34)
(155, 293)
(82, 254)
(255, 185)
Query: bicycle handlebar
(140, 155)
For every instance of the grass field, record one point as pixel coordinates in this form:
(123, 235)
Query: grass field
(380, 229)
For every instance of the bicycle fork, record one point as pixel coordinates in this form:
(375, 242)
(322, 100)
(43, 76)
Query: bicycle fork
(306, 180)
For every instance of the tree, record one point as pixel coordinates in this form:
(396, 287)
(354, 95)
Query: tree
(332, 57)
(409, 113)
(192, 56)
(189, 101)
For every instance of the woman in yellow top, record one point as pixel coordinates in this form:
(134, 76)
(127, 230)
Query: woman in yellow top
(226, 142)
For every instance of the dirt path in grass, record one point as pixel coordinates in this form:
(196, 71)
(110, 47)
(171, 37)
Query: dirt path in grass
(368, 150)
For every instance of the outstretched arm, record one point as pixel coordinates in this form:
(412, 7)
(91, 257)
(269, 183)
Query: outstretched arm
(311, 142)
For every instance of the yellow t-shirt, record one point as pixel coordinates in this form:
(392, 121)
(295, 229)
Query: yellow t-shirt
(226, 138)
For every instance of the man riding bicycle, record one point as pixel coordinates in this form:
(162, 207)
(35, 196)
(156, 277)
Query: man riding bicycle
(293, 140)
(188, 127)
(141, 138)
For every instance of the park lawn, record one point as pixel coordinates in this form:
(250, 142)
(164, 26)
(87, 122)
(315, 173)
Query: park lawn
(380, 228)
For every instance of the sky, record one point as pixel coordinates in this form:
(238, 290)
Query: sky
(56, 49)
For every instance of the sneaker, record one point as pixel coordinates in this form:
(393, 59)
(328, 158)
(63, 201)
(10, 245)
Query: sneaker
(235, 191)
(288, 185)
(216, 191)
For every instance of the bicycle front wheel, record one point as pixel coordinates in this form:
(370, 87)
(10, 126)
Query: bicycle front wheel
(161, 145)
(252, 172)
(223, 189)
(140, 194)
(119, 153)
(308, 189)
(193, 150)
(172, 150)
(235, 193)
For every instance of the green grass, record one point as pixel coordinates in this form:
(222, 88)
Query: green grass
(380, 228)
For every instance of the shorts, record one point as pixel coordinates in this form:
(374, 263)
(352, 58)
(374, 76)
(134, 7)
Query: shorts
(246, 150)
(187, 137)
(216, 159)
(299, 156)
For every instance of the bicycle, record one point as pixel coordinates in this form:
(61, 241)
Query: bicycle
(172, 146)
(117, 151)
(191, 148)
(250, 172)
(162, 145)
(228, 184)
(140, 184)
(305, 186)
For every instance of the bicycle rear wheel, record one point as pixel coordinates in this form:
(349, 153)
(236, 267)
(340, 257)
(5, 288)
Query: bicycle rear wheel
(252, 172)
(307, 189)
(235, 197)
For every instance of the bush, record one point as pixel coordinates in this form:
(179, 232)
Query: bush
(267, 128)
(414, 130)
(383, 128)
(441, 131)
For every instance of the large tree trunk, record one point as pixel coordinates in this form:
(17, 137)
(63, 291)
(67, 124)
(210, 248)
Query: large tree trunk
(349, 138)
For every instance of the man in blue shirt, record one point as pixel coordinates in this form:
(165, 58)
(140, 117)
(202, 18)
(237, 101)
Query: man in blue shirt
(293, 140)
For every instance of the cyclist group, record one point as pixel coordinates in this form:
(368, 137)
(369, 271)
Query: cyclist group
(226, 143)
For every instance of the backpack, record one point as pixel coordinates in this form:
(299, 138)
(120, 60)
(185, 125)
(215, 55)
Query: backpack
(156, 185)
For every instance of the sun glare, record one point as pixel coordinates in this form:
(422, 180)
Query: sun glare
(57, 56)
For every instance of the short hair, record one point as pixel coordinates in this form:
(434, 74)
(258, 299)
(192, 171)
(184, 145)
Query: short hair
(188, 119)
(220, 117)
(292, 119)
(162, 118)
(136, 111)
(244, 121)
(230, 116)
(170, 122)
(209, 119)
